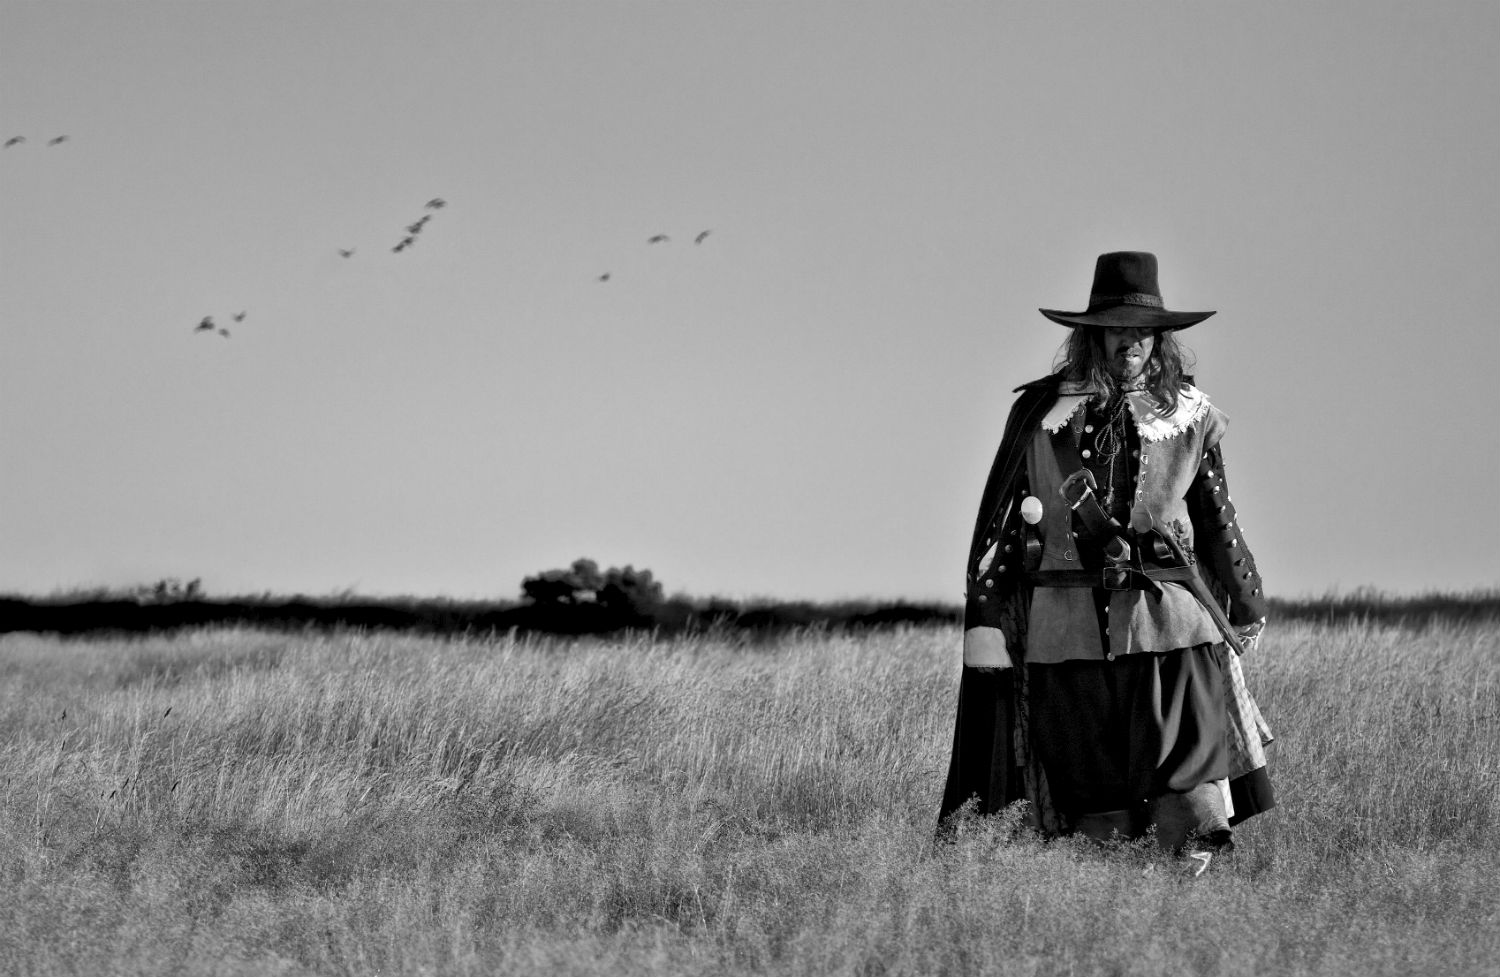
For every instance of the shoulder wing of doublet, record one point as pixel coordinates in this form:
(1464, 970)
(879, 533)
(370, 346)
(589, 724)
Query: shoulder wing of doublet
(1191, 396)
(1213, 421)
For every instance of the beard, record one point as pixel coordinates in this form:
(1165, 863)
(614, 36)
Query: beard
(1126, 366)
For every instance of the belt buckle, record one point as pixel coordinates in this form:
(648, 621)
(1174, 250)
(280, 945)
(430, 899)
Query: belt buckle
(1115, 578)
(1077, 487)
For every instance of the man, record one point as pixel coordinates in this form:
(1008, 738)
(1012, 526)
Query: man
(1101, 681)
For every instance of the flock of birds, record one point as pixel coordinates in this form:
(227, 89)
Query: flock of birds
(663, 239)
(207, 324)
(409, 240)
(17, 140)
(412, 229)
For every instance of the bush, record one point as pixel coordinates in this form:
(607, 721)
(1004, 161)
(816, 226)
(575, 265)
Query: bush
(629, 589)
(169, 590)
(582, 598)
(578, 584)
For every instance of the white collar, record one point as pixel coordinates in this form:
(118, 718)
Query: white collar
(1150, 424)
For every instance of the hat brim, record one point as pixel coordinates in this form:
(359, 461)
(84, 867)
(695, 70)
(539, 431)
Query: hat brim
(1127, 317)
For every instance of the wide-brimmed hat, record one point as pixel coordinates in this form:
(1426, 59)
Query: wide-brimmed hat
(1125, 294)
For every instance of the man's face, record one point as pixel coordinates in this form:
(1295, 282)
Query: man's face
(1126, 350)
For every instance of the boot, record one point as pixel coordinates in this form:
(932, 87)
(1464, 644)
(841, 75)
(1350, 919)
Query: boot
(1196, 814)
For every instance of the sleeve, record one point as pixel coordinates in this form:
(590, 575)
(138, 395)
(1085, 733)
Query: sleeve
(1219, 543)
(993, 622)
(995, 601)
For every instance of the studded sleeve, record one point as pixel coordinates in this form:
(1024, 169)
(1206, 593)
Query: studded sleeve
(995, 578)
(1222, 552)
(996, 557)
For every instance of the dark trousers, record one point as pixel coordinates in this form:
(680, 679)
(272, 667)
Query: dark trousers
(1113, 735)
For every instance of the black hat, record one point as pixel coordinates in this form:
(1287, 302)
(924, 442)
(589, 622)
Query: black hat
(1125, 294)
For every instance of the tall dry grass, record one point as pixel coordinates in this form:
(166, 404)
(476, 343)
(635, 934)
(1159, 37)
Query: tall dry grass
(233, 802)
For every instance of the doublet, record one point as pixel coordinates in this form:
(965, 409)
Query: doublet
(1168, 473)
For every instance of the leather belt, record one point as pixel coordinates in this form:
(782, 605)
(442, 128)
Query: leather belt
(1112, 578)
(1128, 578)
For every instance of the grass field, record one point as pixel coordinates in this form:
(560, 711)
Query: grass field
(237, 802)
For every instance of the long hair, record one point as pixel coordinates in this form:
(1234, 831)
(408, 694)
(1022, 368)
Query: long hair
(1081, 359)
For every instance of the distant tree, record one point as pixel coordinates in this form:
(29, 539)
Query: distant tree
(578, 584)
(582, 594)
(630, 591)
(549, 587)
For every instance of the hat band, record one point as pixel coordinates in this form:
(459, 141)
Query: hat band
(1129, 298)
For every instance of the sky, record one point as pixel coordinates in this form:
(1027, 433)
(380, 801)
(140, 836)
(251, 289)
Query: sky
(802, 406)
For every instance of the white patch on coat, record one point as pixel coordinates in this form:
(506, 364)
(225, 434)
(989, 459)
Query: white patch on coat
(1192, 406)
(1150, 424)
(1067, 405)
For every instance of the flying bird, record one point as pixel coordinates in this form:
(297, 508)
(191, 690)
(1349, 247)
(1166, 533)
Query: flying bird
(702, 235)
(238, 317)
(436, 203)
(207, 325)
(346, 252)
(657, 239)
(604, 277)
(57, 140)
(417, 227)
(403, 244)
(14, 141)
(224, 333)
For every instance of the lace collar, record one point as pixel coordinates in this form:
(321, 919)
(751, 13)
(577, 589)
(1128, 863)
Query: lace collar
(1150, 424)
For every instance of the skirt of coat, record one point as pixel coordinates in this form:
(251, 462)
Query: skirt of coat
(1111, 735)
(994, 764)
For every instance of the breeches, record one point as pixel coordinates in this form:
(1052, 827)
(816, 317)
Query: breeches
(1113, 735)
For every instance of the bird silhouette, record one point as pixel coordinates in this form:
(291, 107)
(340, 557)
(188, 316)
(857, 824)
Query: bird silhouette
(403, 244)
(657, 239)
(417, 227)
(604, 277)
(238, 317)
(436, 203)
(702, 235)
(224, 333)
(346, 252)
(207, 325)
(58, 140)
(14, 141)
